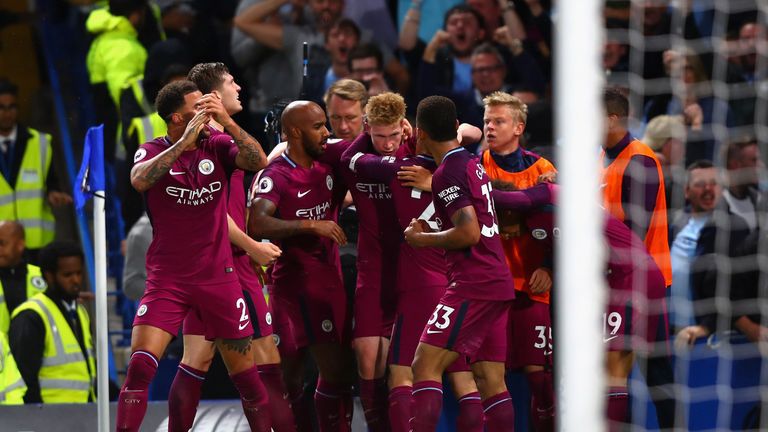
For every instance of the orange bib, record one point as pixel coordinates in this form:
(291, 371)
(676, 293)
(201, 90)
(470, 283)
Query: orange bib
(656, 237)
(524, 253)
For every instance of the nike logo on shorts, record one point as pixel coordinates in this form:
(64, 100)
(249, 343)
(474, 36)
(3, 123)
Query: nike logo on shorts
(430, 331)
(610, 338)
(243, 325)
(301, 194)
(172, 172)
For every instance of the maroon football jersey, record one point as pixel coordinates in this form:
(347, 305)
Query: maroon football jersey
(188, 211)
(480, 271)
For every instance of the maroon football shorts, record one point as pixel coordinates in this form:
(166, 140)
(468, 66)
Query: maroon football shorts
(470, 327)
(258, 311)
(220, 305)
(530, 333)
(414, 307)
(375, 301)
(634, 311)
(301, 318)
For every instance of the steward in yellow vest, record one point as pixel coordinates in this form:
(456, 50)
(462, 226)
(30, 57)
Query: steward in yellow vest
(19, 280)
(50, 334)
(12, 387)
(28, 186)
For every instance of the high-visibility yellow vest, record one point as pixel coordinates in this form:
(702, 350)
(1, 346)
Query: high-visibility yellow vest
(35, 284)
(12, 387)
(26, 201)
(66, 376)
(148, 127)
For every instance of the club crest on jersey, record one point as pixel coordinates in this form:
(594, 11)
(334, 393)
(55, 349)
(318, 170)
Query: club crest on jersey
(480, 171)
(329, 181)
(268, 318)
(265, 185)
(142, 310)
(139, 155)
(205, 166)
(38, 282)
(539, 234)
(327, 326)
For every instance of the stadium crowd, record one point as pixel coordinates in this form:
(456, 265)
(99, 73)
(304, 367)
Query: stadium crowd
(327, 198)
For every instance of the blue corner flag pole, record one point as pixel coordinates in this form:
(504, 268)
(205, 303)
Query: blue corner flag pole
(90, 183)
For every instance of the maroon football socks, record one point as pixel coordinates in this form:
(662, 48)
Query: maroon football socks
(499, 413)
(618, 408)
(542, 401)
(427, 403)
(279, 403)
(132, 403)
(470, 418)
(400, 401)
(254, 397)
(184, 397)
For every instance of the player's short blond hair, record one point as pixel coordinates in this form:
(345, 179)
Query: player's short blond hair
(348, 89)
(513, 102)
(385, 109)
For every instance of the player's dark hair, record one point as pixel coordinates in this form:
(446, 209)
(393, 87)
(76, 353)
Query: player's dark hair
(126, 7)
(208, 76)
(463, 8)
(436, 116)
(50, 254)
(366, 50)
(171, 97)
(616, 103)
(7, 87)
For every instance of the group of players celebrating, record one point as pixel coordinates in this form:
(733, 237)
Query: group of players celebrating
(454, 264)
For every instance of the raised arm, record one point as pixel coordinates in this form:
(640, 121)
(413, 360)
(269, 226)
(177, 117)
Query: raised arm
(263, 224)
(465, 232)
(409, 33)
(145, 174)
(250, 155)
(368, 165)
(251, 22)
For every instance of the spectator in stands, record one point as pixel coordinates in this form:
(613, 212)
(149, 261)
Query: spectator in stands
(616, 61)
(723, 250)
(50, 333)
(366, 65)
(697, 103)
(750, 34)
(702, 193)
(491, 10)
(19, 280)
(12, 387)
(286, 41)
(665, 135)
(115, 57)
(446, 59)
(341, 38)
(29, 186)
(744, 169)
(742, 72)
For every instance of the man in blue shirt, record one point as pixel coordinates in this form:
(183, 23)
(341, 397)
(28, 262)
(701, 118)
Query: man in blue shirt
(702, 192)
